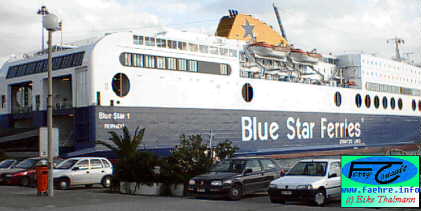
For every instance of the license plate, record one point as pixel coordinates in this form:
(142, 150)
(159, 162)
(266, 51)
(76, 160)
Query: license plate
(286, 192)
(201, 190)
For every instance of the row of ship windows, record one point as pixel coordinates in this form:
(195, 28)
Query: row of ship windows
(59, 62)
(169, 63)
(390, 66)
(392, 89)
(385, 102)
(173, 44)
(390, 77)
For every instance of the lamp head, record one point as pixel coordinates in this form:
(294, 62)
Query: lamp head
(51, 22)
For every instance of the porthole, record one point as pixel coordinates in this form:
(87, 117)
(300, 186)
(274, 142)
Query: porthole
(385, 102)
(376, 102)
(367, 101)
(247, 92)
(338, 99)
(392, 103)
(121, 84)
(419, 105)
(414, 105)
(358, 100)
(400, 104)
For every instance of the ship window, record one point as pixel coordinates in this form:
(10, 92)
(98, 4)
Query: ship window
(3, 101)
(138, 40)
(31, 68)
(367, 101)
(121, 84)
(182, 64)
(161, 43)
(137, 60)
(338, 99)
(77, 59)
(400, 104)
(67, 61)
(358, 100)
(193, 47)
(203, 48)
(247, 92)
(56, 62)
(414, 105)
(376, 102)
(160, 62)
(172, 44)
(150, 61)
(182, 45)
(223, 51)
(224, 69)
(419, 105)
(150, 41)
(193, 66)
(385, 102)
(233, 53)
(392, 103)
(172, 63)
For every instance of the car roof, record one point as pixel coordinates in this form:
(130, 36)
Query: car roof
(321, 160)
(248, 158)
(80, 158)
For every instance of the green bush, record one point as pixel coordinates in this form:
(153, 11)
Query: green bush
(2, 156)
(139, 168)
(225, 150)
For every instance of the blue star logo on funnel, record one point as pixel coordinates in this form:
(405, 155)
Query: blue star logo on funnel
(248, 29)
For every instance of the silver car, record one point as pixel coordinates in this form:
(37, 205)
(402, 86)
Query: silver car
(83, 171)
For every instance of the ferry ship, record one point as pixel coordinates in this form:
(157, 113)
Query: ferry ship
(246, 84)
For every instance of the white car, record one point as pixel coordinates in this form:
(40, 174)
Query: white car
(83, 171)
(314, 180)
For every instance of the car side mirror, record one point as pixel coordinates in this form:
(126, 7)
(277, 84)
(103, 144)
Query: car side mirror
(75, 168)
(248, 171)
(332, 175)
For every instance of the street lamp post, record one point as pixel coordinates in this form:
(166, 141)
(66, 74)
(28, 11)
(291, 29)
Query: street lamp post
(51, 23)
(43, 11)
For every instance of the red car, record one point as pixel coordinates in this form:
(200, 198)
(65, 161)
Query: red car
(24, 173)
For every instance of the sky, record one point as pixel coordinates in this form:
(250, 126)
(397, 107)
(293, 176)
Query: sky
(331, 26)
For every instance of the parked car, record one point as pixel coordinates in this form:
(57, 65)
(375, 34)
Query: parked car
(236, 177)
(83, 171)
(21, 174)
(312, 180)
(8, 164)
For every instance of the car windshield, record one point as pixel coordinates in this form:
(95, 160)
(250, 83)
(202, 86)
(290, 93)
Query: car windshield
(67, 164)
(234, 166)
(27, 164)
(6, 163)
(308, 169)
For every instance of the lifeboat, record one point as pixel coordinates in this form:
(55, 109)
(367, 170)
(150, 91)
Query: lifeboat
(301, 56)
(266, 50)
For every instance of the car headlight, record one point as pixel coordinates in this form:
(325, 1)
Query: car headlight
(8, 175)
(192, 182)
(305, 187)
(228, 181)
(273, 185)
(216, 183)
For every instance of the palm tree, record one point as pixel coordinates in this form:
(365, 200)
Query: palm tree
(125, 146)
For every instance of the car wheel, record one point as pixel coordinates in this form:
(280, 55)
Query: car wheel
(236, 192)
(64, 184)
(106, 182)
(24, 181)
(320, 198)
(276, 200)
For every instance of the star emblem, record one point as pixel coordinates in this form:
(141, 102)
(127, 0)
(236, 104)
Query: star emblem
(248, 29)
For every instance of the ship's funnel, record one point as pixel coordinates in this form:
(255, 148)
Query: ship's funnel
(245, 27)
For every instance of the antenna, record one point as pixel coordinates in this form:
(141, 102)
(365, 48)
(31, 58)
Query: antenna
(279, 21)
(397, 41)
